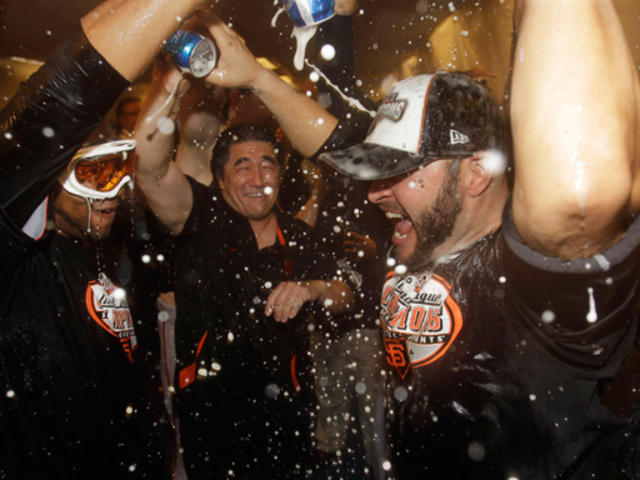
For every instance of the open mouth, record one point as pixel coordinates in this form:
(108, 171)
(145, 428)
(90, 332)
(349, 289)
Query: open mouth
(402, 226)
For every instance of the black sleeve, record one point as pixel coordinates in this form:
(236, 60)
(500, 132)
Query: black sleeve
(48, 119)
(583, 310)
(348, 131)
(202, 210)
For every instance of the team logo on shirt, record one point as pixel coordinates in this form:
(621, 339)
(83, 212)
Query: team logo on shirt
(420, 320)
(107, 305)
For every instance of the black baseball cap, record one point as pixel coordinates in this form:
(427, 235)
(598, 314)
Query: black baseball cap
(423, 118)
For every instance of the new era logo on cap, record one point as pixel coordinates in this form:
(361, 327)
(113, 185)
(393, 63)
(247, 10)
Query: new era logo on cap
(455, 137)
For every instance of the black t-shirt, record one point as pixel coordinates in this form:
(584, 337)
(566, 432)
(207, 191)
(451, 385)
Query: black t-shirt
(345, 209)
(74, 402)
(496, 354)
(243, 383)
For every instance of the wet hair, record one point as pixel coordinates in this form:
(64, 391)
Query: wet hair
(241, 134)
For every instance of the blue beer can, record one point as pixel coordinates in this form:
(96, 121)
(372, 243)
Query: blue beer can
(309, 12)
(192, 52)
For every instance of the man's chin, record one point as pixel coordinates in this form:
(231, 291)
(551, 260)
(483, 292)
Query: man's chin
(404, 255)
(99, 232)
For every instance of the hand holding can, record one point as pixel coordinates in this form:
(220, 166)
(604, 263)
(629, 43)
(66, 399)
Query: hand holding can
(192, 53)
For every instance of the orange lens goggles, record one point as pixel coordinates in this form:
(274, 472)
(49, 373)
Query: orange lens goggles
(104, 173)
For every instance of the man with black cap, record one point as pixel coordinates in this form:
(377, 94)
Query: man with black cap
(504, 314)
(73, 402)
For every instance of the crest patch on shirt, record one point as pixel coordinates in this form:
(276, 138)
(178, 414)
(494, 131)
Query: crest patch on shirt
(420, 320)
(107, 305)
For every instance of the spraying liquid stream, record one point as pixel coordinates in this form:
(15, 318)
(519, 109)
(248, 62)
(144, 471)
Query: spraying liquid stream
(353, 102)
(302, 35)
(166, 102)
(274, 20)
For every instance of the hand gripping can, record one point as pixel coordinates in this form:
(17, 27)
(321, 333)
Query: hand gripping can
(192, 53)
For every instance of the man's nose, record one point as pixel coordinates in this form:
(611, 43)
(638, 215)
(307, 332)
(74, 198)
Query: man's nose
(257, 176)
(379, 191)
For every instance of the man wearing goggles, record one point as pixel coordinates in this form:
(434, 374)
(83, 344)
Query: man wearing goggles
(77, 397)
(91, 185)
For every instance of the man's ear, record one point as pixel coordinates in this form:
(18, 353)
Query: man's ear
(477, 176)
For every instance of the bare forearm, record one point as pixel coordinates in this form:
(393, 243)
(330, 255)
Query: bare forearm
(129, 33)
(166, 189)
(156, 122)
(304, 122)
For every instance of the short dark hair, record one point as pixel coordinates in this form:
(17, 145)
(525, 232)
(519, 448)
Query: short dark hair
(240, 134)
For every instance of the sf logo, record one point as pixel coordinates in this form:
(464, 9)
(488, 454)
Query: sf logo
(397, 357)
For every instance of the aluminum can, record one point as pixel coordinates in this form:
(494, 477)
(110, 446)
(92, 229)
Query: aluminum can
(192, 52)
(309, 12)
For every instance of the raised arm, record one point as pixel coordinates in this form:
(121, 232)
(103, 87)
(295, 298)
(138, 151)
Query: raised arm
(574, 117)
(129, 33)
(69, 95)
(305, 122)
(165, 187)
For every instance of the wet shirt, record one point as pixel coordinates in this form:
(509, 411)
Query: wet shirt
(73, 402)
(496, 355)
(242, 376)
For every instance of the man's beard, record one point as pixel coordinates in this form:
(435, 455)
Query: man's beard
(436, 224)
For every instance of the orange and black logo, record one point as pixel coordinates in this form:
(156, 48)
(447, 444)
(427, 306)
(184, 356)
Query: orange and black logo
(420, 320)
(107, 305)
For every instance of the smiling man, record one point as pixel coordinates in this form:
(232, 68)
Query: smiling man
(248, 278)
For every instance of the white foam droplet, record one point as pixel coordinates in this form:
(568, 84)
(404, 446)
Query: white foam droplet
(166, 126)
(119, 294)
(592, 315)
(495, 162)
(401, 269)
(328, 52)
(302, 36)
(548, 316)
(268, 190)
(401, 394)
